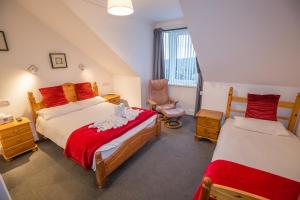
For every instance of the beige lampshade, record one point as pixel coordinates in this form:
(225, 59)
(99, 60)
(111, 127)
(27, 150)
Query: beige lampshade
(119, 7)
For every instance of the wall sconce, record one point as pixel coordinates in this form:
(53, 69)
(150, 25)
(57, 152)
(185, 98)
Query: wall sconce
(32, 69)
(81, 67)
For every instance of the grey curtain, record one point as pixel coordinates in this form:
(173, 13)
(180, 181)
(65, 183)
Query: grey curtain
(158, 64)
(199, 88)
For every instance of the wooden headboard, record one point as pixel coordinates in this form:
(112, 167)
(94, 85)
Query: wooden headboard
(293, 106)
(70, 93)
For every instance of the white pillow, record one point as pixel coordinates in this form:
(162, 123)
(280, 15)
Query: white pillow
(261, 126)
(90, 102)
(48, 113)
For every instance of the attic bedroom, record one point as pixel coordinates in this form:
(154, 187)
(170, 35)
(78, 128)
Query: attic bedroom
(137, 99)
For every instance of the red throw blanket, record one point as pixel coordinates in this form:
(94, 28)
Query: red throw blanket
(251, 180)
(83, 142)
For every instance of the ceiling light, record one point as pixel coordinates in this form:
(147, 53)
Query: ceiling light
(119, 7)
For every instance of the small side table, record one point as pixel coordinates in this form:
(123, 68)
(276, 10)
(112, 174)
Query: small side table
(208, 124)
(16, 138)
(112, 98)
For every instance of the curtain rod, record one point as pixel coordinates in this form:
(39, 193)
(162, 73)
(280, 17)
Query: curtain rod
(174, 29)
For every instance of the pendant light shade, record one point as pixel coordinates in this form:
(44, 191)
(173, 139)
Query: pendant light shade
(119, 7)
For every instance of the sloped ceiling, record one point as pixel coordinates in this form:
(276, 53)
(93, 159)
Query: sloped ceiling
(129, 37)
(157, 11)
(255, 41)
(59, 18)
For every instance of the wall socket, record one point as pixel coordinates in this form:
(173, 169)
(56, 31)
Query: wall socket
(4, 103)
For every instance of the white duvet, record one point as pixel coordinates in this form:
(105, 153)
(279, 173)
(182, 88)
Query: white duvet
(278, 155)
(58, 129)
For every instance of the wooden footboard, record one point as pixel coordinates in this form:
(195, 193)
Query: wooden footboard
(125, 151)
(222, 192)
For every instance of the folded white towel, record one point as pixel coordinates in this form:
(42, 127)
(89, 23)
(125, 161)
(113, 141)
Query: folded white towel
(122, 116)
(120, 110)
(132, 114)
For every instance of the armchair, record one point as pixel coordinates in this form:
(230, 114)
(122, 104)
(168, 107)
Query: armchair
(160, 101)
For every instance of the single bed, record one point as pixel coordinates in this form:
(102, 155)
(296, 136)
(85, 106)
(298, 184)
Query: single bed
(110, 155)
(277, 155)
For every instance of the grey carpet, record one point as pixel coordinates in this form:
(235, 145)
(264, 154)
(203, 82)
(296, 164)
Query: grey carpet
(168, 168)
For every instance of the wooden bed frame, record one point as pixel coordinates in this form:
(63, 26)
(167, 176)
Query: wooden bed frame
(222, 192)
(104, 167)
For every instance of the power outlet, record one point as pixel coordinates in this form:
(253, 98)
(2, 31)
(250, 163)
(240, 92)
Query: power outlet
(4, 103)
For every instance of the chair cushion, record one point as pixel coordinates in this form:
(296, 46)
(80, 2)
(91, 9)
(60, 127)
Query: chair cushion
(172, 113)
(165, 107)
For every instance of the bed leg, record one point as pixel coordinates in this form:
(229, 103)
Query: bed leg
(158, 127)
(100, 171)
(206, 186)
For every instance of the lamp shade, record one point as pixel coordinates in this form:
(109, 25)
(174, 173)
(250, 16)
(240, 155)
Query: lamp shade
(119, 7)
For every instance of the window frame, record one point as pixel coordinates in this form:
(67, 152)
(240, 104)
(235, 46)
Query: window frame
(168, 54)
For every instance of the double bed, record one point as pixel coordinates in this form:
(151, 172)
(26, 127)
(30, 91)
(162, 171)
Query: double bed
(108, 156)
(249, 164)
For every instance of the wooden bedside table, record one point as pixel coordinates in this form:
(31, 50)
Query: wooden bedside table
(112, 98)
(208, 124)
(16, 138)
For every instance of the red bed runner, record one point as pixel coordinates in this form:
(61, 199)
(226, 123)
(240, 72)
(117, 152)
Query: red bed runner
(83, 142)
(251, 180)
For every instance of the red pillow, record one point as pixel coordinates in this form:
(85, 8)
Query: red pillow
(84, 91)
(53, 96)
(262, 106)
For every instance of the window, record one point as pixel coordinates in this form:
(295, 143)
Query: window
(179, 58)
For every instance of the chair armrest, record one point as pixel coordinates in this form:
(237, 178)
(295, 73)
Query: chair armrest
(172, 101)
(152, 103)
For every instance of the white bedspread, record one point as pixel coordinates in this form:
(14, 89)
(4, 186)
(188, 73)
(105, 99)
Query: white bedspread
(59, 129)
(278, 155)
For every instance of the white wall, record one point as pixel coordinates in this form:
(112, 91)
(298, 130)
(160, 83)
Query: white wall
(30, 42)
(186, 97)
(254, 42)
(130, 37)
(215, 94)
(129, 88)
(170, 24)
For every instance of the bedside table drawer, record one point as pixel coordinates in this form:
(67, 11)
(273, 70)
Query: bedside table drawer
(207, 132)
(210, 123)
(13, 151)
(18, 139)
(11, 132)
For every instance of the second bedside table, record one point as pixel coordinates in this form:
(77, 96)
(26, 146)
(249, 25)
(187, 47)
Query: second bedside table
(112, 98)
(208, 124)
(16, 138)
